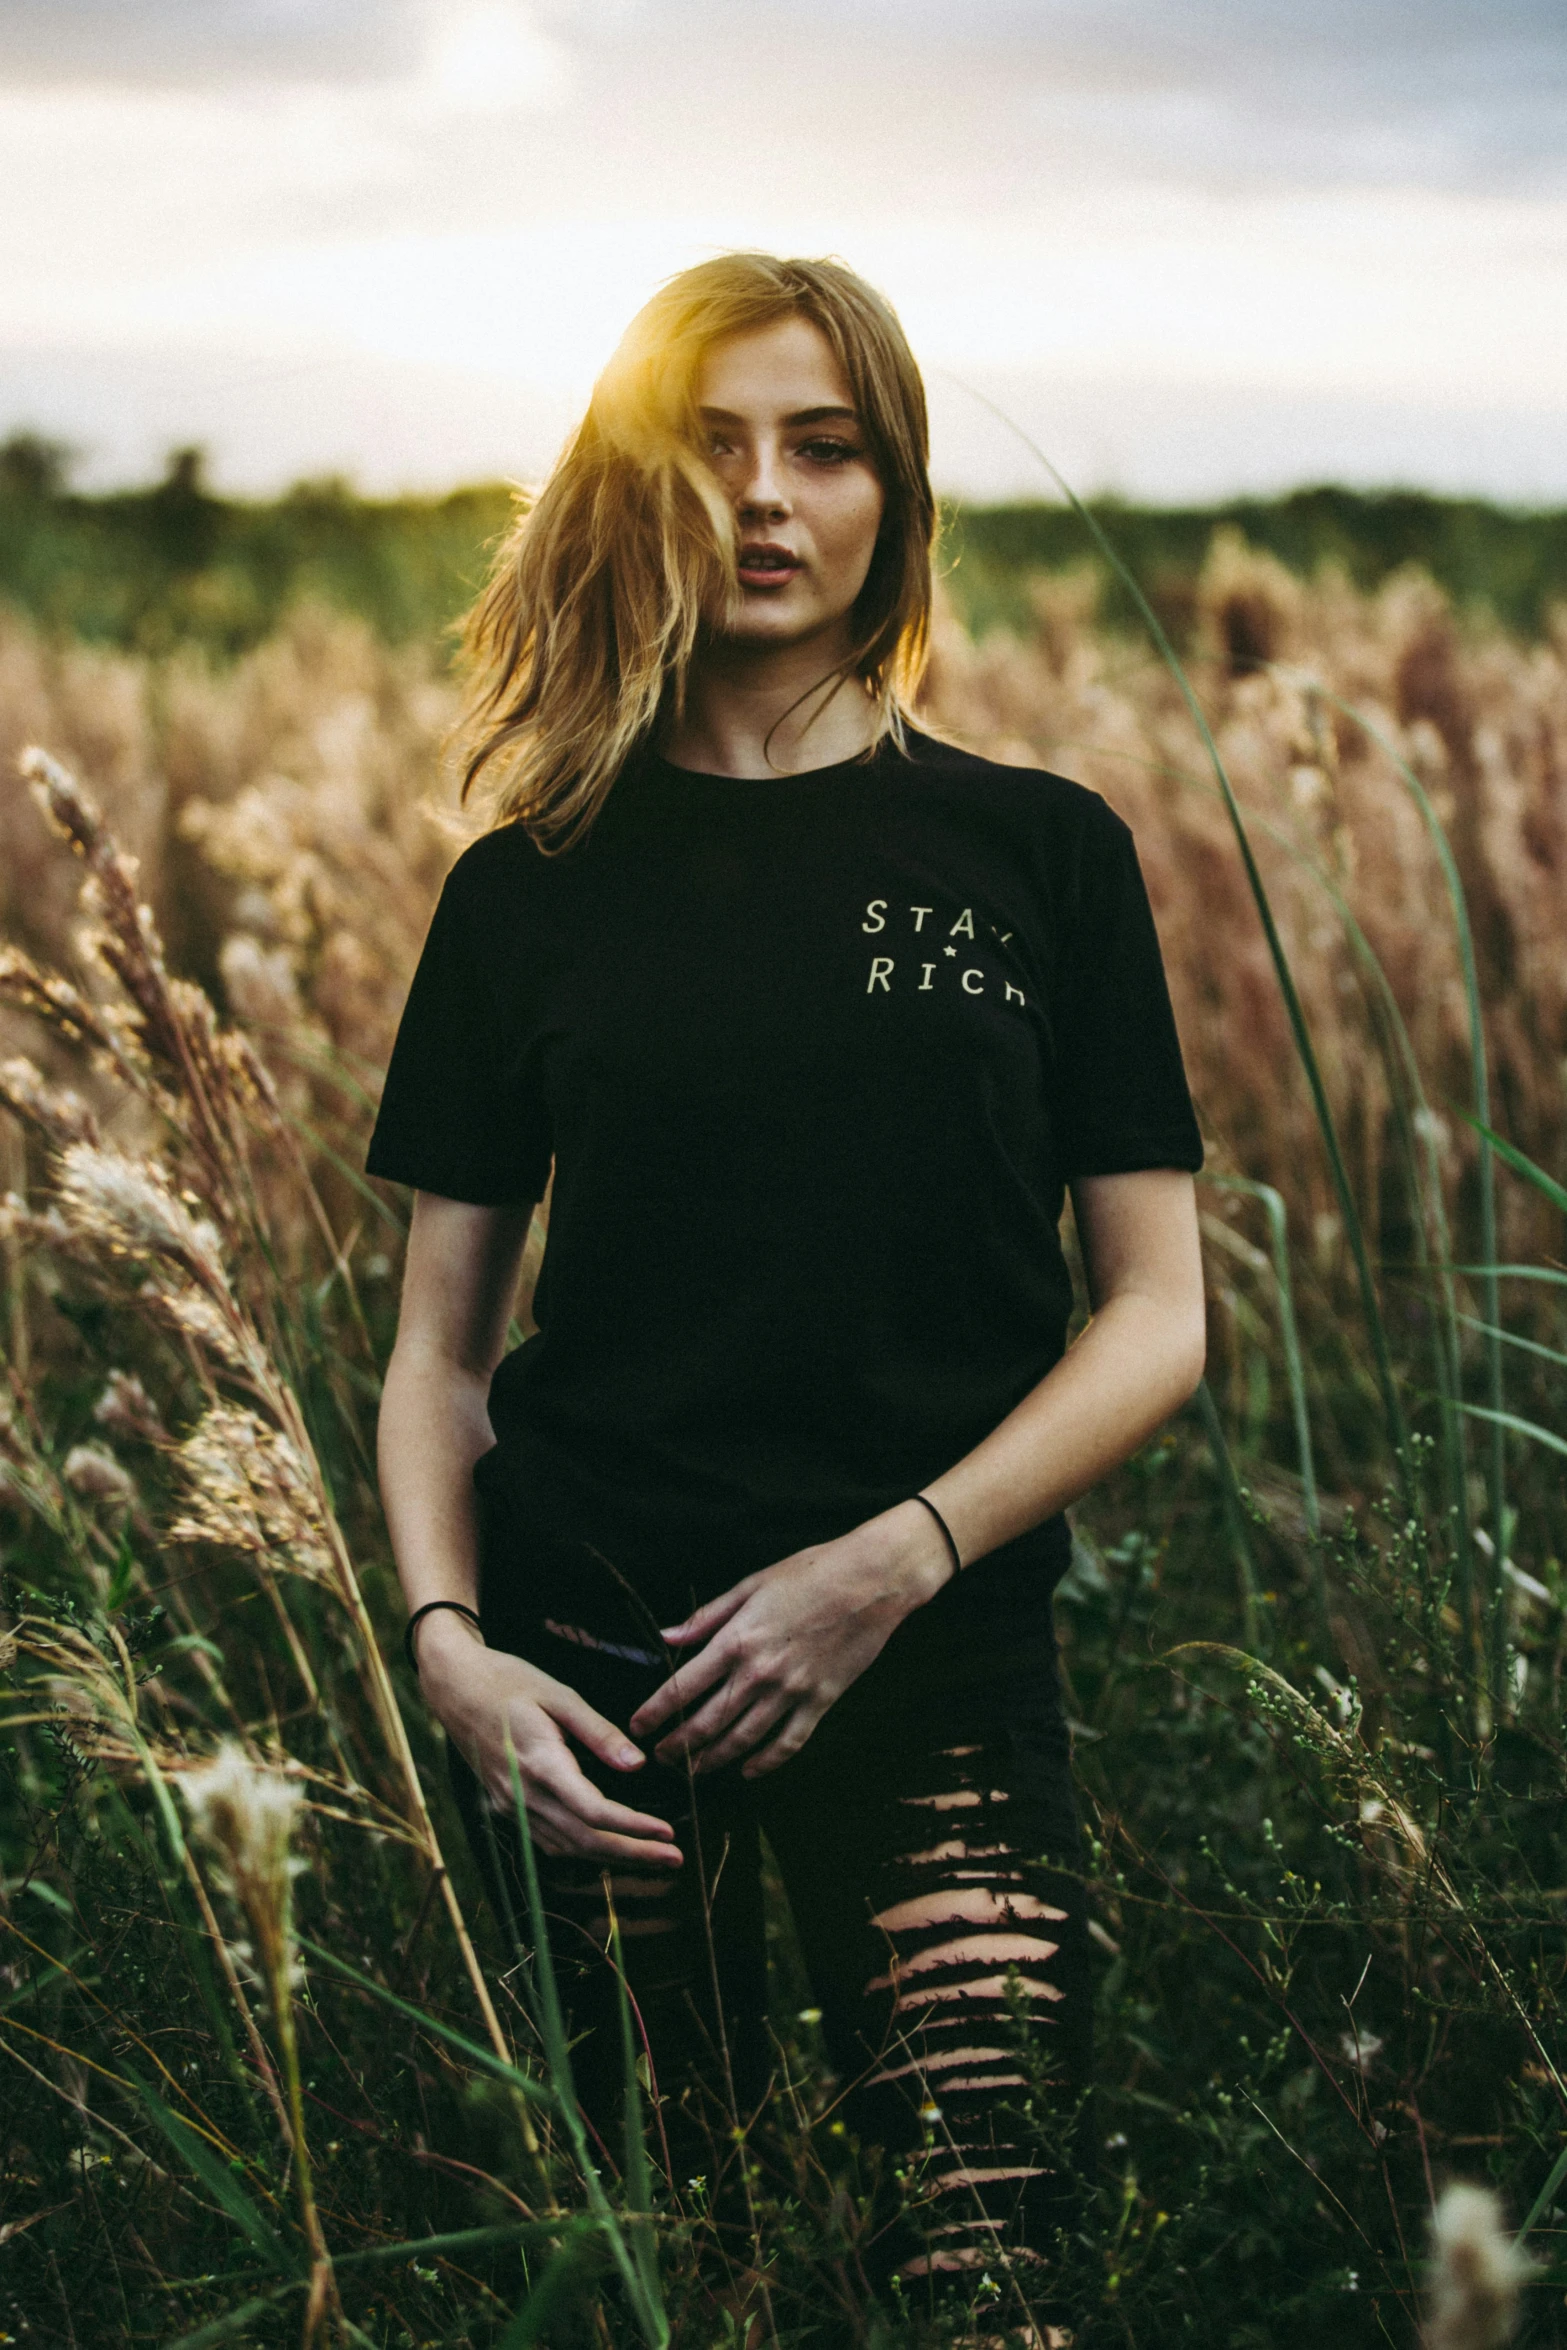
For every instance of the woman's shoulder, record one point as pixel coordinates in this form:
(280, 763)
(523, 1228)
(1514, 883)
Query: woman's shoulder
(1036, 796)
(497, 859)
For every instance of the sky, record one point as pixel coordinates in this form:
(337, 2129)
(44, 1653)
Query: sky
(1191, 247)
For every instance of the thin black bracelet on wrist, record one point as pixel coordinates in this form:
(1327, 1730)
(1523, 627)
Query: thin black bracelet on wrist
(458, 1607)
(946, 1530)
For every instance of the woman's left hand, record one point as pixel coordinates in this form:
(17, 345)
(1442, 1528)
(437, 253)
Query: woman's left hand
(785, 1644)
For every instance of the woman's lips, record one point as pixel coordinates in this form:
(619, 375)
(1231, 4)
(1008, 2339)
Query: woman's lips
(766, 567)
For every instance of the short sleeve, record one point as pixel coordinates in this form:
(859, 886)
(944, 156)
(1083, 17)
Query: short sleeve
(1124, 1098)
(455, 1116)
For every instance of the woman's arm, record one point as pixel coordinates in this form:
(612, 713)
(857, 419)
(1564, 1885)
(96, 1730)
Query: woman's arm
(784, 1644)
(458, 1286)
(1137, 1361)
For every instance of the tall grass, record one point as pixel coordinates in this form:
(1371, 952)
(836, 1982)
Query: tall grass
(1326, 1790)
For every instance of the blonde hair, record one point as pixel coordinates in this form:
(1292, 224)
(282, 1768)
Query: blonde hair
(584, 631)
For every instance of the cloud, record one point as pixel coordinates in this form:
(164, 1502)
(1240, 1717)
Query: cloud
(1238, 92)
(185, 43)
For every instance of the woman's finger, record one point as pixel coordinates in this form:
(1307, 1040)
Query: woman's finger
(562, 1834)
(712, 1614)
(555, 1790)
(789, 1740)
(685, 1683)
(727, 1703)
(603, 1738)
(753, 1726)
(560, 1779)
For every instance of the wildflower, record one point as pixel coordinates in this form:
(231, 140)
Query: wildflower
(1477, 2273)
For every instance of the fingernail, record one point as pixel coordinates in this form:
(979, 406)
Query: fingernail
(629, 1756)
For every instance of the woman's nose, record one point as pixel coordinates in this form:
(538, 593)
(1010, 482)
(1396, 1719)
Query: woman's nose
(764, 489)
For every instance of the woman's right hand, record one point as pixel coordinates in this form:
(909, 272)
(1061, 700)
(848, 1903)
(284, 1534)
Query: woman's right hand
(478, 1694)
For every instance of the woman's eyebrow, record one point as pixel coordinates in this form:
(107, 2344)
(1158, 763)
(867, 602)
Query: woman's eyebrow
(827, 415)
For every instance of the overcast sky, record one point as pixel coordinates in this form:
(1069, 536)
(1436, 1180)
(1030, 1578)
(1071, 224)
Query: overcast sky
(1193, 246)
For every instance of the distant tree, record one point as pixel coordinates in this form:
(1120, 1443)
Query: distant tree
(186, 519)
(34, 467)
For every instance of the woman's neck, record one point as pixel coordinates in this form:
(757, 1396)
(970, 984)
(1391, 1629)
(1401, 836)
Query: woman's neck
(755, 712)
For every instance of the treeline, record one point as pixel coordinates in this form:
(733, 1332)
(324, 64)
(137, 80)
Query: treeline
(1509, 562)
(149, 569)
(175, 563)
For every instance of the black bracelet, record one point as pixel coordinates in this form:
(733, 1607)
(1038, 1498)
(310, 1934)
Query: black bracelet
(946, 1530)
(459, 1606)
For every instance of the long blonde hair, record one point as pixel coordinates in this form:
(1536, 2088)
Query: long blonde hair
(584, 631)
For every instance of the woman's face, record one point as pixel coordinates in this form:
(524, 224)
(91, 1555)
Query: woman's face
(784, 439)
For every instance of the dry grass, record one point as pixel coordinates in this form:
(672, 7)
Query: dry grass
(293, 818)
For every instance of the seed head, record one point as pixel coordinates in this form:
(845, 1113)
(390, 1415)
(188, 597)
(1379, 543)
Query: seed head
(1477, 2274)
(92, 1471)
(247, 1487)
(126, 1409)
(246, 1814)
(130, 1204)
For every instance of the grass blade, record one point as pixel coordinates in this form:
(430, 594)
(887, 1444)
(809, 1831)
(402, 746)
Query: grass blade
(1294, 1361)
(639, 2180)
(1547, 2195)
(1480, 1084)
(1234, 1511)
(552, 2296)
(223, 2329)
(1521, 1164)
(1529, 1428)
(509, 2231)
(1532, 1346)
(218, 2181)
(486, 2058)
(646, 2302)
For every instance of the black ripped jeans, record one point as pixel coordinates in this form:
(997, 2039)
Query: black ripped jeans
(928, 1842)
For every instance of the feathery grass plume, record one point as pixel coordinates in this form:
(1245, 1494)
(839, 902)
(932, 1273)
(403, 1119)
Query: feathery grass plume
(125, 1409)
(53, 1111)
(44, 996)
(207, 1083)
(130, 1204)
(247, 1815)
(92, 1472)
(248, 1488)
(88, 1690)
(226, 1290)
(27, 1475)
(1479, 2273)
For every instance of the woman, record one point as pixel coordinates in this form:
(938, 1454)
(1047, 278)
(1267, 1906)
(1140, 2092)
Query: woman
(816, 1019)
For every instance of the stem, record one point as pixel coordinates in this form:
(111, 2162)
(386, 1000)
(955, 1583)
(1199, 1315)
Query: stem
(278, 1947)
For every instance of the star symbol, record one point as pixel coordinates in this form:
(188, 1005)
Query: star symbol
(949, 950)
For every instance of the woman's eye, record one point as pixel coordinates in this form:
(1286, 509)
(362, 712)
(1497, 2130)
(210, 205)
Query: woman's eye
(828, 452)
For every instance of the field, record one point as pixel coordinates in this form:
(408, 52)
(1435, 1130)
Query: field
(268, 2070)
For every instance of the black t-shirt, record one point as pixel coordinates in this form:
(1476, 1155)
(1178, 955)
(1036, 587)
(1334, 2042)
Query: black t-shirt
(814, 1058)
